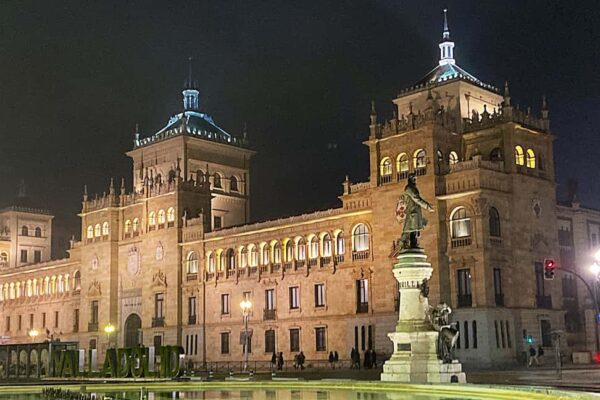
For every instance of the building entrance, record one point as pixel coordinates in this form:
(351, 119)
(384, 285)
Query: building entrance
(133, 328)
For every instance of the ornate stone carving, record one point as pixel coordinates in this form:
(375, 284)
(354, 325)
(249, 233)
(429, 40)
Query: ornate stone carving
(133, 261)
(94, 290)
(160, 251)
(159, 279)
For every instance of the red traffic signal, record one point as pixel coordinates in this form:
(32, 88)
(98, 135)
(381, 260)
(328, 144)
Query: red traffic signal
(549, 264)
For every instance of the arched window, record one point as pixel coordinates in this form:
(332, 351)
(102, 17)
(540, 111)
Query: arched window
(494, 220)
(77, 280)
(136, 225)
(340, 245)
(230, 259)
(360, 238)
(519, 155)
(326, 245)
(29, 291)
(171, 214)
(314, 248)
(452, 158)
(38, 231)
(243, 257)
(192, 263)
(402, 163)
(301, 248)
(105, 229)
(289, 251)
(265, 254)
(530, 158)
(460, 223)
(233, 184)
(162, 217)
(253, 256)
(128, 226)
(276, 253)
(152, 219)
(217, 181)
(496, 154)
(200, 176)
(211, 263)
(420, 159)
(60, 284)
(386, 166)
(97, 230)
(24, 230)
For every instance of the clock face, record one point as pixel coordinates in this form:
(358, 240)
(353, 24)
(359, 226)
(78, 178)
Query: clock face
(133, 261)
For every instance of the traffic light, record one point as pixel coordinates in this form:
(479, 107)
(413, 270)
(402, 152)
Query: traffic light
(549, 267)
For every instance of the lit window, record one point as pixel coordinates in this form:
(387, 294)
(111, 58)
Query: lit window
(530, 159)
(97, 230)
(192, 263)
(77, 281)
(460, 223)
(519, 155)
(340, 245)
(90, 232)
(402, 163)
(243, 257)
(419, 159)
(276, 253)
(162, 217)
(440, 157)
(452, 158)
(265, 254)
(128, 226)
(360, 238)
(105, 229)
(171, 214)
(386, 166)
(230, 260)
(136, 225)
(253, 256)
(314, 247)
(289, 251)
(211, 263)
(327, 245)
(301, 245)
(152, 219)
(494, 221)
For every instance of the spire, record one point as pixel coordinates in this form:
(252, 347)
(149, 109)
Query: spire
(506, 94)
(373, 113)
(22, 189)
(447, 45)
(111, 188)
(122, 186)
(190, 93)
(85, 193)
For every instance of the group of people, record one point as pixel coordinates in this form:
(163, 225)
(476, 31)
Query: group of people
(277, 360)
(370, 360)
(333, 358)
(535, 355)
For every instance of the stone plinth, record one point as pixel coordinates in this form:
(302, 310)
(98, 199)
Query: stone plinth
(415, 357)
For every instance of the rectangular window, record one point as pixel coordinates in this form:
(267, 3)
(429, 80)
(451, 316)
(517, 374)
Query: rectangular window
(269, 299)
(502, 336)
(269, 341)
(159, 303)
(294, 340)
(498, 281)
(218, 222)
(356, 337)
(464, 287)
(8, 324)
(466, 333)
(56, 319)
(23, 256)
(246, 296)
(157, 341)
(545, 329)
(294, 298)
(497, 334)
(76, 320)
(319, 295)
(224, 342)
(192, 307)
(30, 321)
(370, 337)
(362, 296)
(508, 339)
(225, 304)
(44, 319)
(20, 323)
(37, 256)
(320, 339)
(94, 313)
(539, 279)
(474, 328)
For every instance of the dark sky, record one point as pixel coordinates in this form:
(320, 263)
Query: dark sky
(75, 77)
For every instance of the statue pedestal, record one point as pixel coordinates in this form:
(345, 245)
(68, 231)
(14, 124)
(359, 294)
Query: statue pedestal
(415, 358)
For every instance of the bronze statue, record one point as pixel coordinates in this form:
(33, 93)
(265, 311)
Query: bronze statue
(408, 210)
(447, 332)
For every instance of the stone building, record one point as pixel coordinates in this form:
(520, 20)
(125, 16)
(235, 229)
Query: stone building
(170, 261)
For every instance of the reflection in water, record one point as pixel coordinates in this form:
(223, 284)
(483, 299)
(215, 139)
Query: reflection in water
(271, 394)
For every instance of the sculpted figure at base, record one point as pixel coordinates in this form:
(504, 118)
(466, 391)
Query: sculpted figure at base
(448, 334)
(408, 210)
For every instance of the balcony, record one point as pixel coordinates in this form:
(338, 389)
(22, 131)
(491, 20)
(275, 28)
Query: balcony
(92, 327)
(325, 261)
(362, 308)
(300, 264)
(499, 299)
(287, 266)
(269, 314)
(360, 255)
(403, 175)
(465, 300)
(544, 301)
(191, 320)
(461, 242)
(312, 262)
(191, 276)
(339, 258)
(170, 224)
(158, 322)
(384, 179)
(420, 171)
(276, 267)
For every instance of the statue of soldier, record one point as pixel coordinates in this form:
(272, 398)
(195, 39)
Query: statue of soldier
(408, 210)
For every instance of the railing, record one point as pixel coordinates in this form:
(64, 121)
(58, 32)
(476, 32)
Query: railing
(544, 301)
(461, 242)
(191, 320)
(191, 276)
(264, 268)
(402, 175)
(276, 267)
(92, 327)
(158, 322)
(465, 300)
(170, 224)
(325, 261)
(420, 171)
(312, 262)
(269, 314)
(288, 266)
(499, 297)
(383, 179)
(360, 255)
(495, 240)
(300, 263)
(362, 308)
(339, 258)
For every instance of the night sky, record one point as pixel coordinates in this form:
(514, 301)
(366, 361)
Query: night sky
(75, 78)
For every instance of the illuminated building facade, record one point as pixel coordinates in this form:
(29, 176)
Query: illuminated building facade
(170, 261)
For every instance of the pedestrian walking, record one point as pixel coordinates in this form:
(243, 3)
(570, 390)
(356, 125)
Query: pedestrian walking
(532, 357)
(274, 360)
(301, 359)
(540, 353)
(336, 358)
(367, 361)
(280, 361)
(331, 360)
(374, 358)
(352, 358)
(296, 356)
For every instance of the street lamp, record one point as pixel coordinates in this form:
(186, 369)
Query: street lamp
(33, 333)
(246, 304)
(108, 329)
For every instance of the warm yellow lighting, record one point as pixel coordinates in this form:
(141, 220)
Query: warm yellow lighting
(110, 328)
(597, 256)
(595, 268)
(246, 304)
(34, 333)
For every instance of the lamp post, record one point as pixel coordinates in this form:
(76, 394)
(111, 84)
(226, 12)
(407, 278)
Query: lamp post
(33, 333)
(246, 304)
(108, 329)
